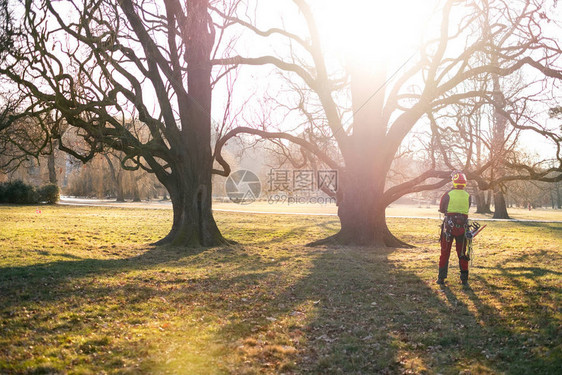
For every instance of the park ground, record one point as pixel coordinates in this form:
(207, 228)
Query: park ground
(421, 210)
(83, 292)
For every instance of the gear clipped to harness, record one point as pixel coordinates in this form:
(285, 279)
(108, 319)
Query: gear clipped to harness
(473, 229)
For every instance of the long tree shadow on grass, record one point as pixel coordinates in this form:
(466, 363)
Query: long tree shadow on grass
(91, 307)
(55, 272)
(61, 304)
(408, 328)
(247, 309)
(39, 278)
(367, 315)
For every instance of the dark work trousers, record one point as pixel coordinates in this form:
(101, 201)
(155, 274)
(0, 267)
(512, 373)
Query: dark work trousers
(457, 234)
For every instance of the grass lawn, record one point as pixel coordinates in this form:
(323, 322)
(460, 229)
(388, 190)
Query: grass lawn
(82, 292)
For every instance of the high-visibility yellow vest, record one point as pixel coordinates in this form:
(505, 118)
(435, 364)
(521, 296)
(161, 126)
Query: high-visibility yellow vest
(459, 202)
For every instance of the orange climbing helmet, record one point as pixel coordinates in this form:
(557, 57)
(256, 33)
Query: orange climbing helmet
(459, 179)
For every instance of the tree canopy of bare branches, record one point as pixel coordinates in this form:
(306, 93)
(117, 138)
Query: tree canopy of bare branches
(439, 88)
(131, 76)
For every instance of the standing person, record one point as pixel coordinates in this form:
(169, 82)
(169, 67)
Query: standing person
(454, 204)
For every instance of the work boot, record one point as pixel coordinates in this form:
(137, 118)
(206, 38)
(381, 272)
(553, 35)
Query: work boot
(464, 277)
(442, 276)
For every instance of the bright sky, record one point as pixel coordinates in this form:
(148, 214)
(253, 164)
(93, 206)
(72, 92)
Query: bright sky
(372, 30)
(352, 30)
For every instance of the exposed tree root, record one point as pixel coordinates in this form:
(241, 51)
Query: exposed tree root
(332, 240)
(192, 242)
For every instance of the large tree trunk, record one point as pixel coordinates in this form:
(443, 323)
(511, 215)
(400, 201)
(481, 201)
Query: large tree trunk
(361, 206)
(190, 184)
(193, 222)
(362, 213)
(500, 208)
(361, 209)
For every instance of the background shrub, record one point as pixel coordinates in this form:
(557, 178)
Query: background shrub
(17, 192)
(49, 194)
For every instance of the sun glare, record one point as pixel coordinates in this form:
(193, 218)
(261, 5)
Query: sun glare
(372, 30)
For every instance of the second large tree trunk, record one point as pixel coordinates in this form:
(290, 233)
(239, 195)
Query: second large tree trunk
(361, 208)
(482, 204)
(362, 213)
(361, 204)
(500, 208)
